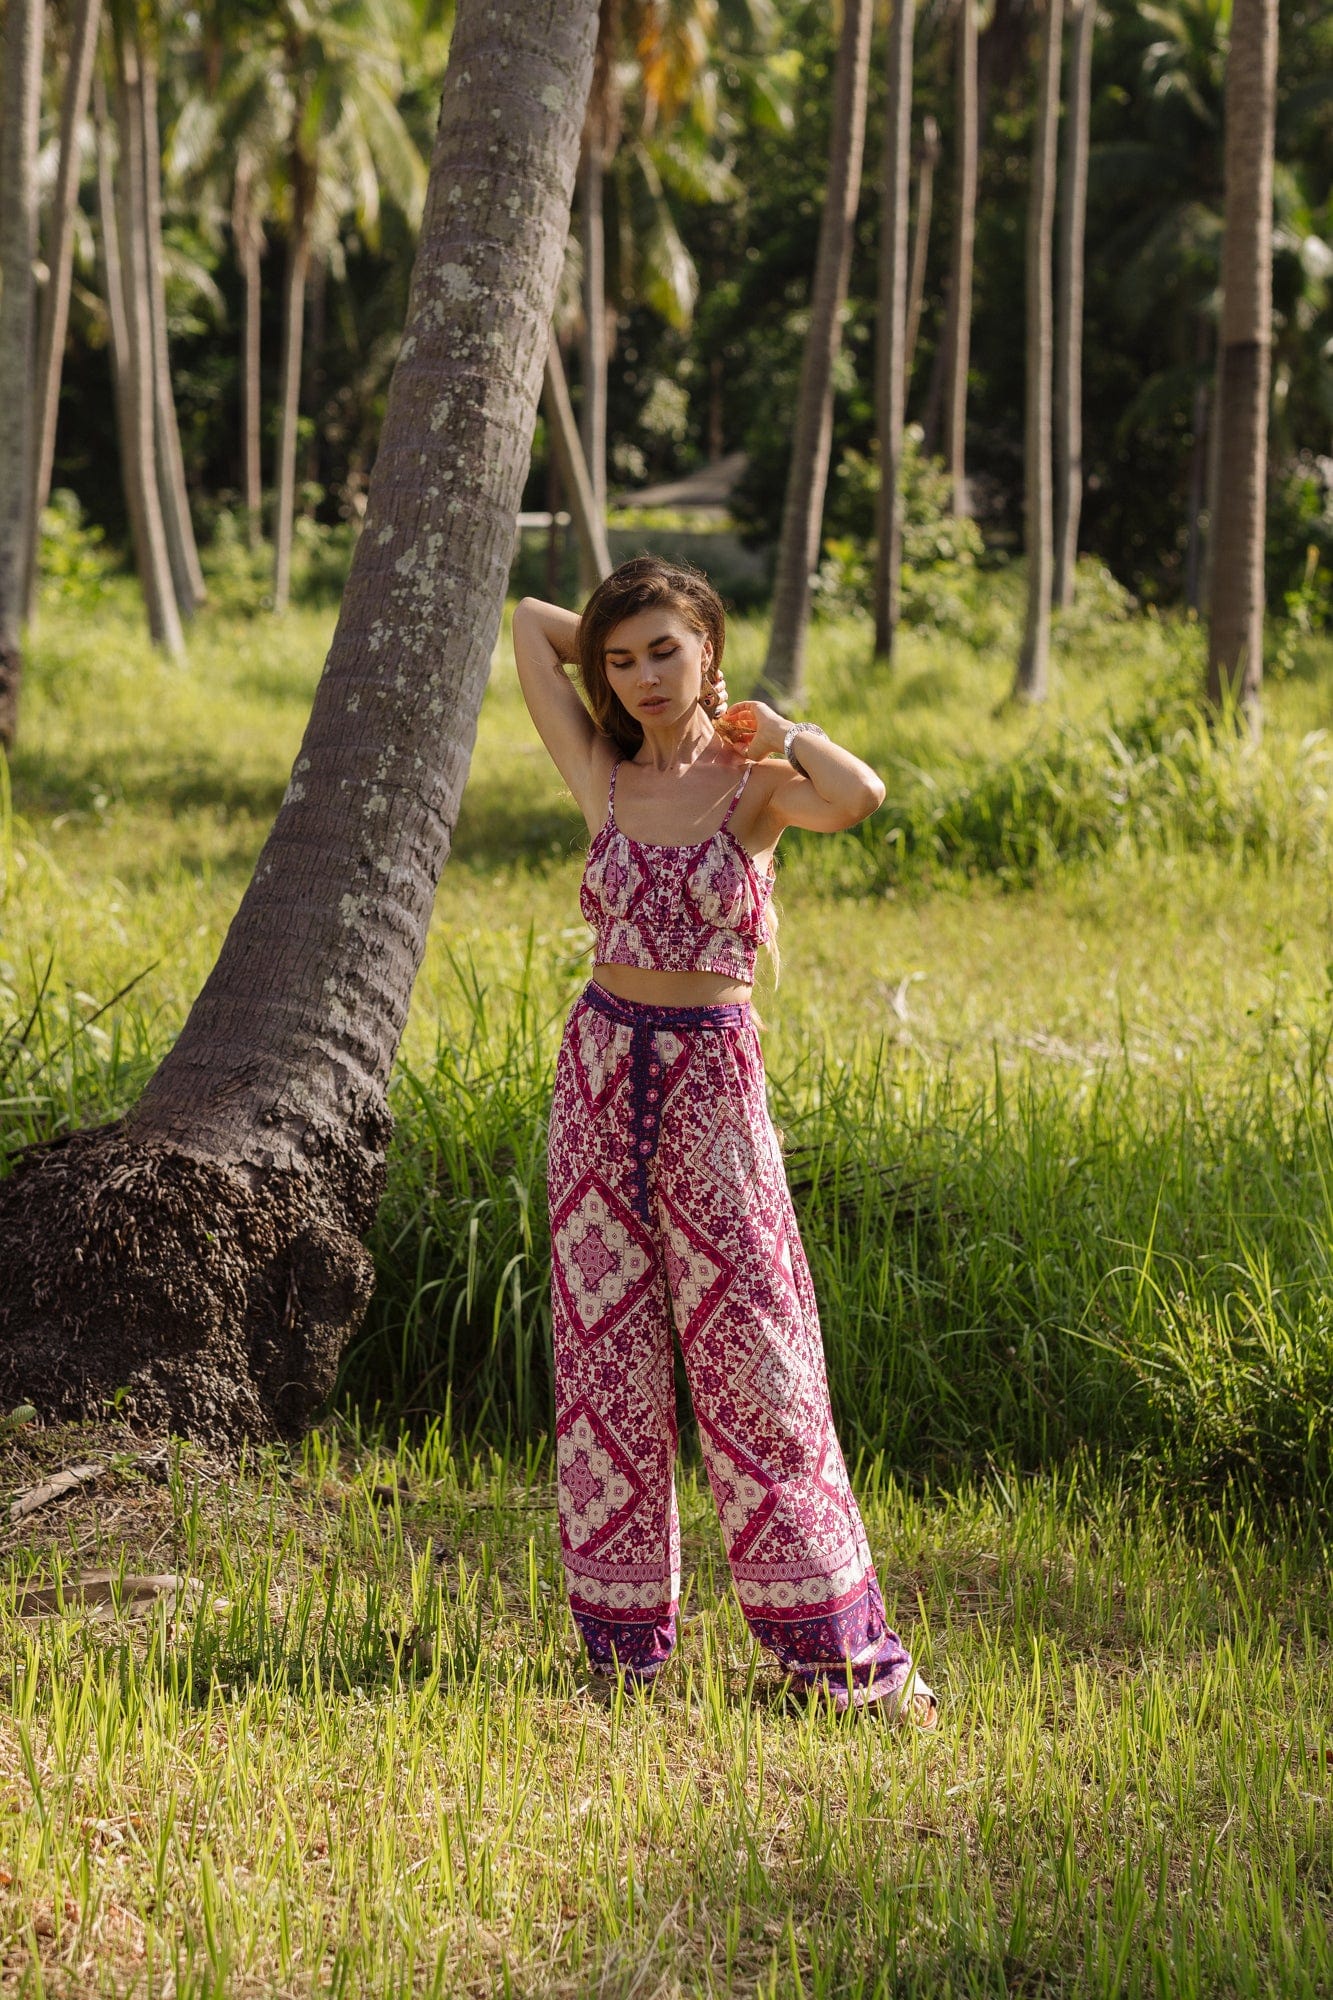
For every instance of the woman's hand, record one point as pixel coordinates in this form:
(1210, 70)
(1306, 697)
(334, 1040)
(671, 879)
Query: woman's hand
(831, 790)
(753, 728)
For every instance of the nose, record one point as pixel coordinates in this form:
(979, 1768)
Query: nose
(648, 675)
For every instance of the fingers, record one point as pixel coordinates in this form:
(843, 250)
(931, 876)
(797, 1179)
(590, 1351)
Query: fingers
(733, 730)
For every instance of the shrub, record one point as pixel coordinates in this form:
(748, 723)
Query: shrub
(72, 556)
(1165, 779)
(940, 548)
(1299, 553)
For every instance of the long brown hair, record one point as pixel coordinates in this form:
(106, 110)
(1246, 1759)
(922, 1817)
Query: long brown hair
(638, 585)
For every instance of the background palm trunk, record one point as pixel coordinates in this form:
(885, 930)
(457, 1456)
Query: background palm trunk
(60, 265)
(1069, 319)
(958, 322)
(928, 160)
(807, 476)
(592, 421)
(1033, 676)
(155, 574)
(589, 519)
(186, 575)
(312, 361)
(248, 236)
(113, 297)
(1201, 455)
(1236, 620)
(289, 392)
(255, 1158)
(890, 347)
(20, 104)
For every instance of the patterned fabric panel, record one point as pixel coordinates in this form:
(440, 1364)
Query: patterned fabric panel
(675, 909)
(696, 1235)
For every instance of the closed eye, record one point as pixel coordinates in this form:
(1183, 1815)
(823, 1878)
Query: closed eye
(628, 660)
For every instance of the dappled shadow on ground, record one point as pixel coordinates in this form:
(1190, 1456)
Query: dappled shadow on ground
(501, 821)
(47, 786)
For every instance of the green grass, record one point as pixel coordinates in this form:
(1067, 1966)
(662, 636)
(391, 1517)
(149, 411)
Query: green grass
(1058, 1131)
(1050, 1054)
(369, 1760)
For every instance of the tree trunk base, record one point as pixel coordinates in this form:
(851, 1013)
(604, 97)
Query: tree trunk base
(194, 1298)
(11, 673)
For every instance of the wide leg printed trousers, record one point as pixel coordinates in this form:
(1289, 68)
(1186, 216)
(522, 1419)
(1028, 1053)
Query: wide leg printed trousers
(668, 1198)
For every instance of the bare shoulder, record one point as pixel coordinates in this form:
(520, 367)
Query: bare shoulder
(772, 779)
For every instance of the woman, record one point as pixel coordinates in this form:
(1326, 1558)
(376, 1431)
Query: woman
(667, 1191)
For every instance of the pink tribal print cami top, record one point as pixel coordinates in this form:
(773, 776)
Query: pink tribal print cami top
(701, 908)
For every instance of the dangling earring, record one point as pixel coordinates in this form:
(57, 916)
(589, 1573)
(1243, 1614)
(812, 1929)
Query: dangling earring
(714, 692)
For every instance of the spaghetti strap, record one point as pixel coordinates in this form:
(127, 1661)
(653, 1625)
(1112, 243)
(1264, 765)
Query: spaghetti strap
(735, 797)
(611, 795)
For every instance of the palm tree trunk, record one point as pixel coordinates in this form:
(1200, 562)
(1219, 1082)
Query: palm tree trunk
(20, 104)
(932, 409)
(1069, 349)
(113, 297)
(958, 325)
(289, 392)
(255, 1159)
(890, 345)
(248, 237)
(925, 196)
(1201, 455)
(186, 575)
(592, 420)
(1032, 679)
(589, 520)
(812, 440)
(60, 264)
(1236, 620)
(141, 474)
(312, 359)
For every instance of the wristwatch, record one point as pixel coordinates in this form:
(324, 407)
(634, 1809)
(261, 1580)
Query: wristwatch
(800, 729)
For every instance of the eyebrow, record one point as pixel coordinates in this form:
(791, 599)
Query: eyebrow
(628, 651)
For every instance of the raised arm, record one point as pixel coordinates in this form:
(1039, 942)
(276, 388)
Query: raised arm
(544, 642)
(837, 790)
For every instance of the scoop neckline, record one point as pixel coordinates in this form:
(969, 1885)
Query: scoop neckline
(691, 846)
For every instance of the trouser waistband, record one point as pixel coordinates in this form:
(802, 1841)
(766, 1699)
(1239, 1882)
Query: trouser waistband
(645, 1067)
(642, 1014)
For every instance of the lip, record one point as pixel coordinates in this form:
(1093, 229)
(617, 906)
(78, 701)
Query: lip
(651, 707)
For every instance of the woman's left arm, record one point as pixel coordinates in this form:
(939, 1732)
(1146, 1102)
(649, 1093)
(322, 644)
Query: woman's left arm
(832, 790)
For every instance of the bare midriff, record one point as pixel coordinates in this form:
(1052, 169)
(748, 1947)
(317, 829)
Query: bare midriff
(670, 989)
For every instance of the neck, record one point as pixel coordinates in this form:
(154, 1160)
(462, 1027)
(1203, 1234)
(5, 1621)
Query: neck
(677, 745)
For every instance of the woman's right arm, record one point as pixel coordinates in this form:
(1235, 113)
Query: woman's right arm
(545, 638)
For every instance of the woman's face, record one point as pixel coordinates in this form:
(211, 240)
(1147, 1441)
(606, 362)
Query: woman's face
(655, 664)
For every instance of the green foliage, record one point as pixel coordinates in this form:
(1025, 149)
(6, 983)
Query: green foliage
(940, 548)
(241, 578)
(1300, 544)
(1003, 1273)
(73, 559)
(1160, 781)
(1060, 1155)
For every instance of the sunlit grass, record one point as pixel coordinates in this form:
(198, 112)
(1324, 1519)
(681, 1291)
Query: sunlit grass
(368, 1759)
(1061, 1147)
(142, 791)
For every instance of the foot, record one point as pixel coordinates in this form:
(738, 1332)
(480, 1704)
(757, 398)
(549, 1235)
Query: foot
(916, 1703)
